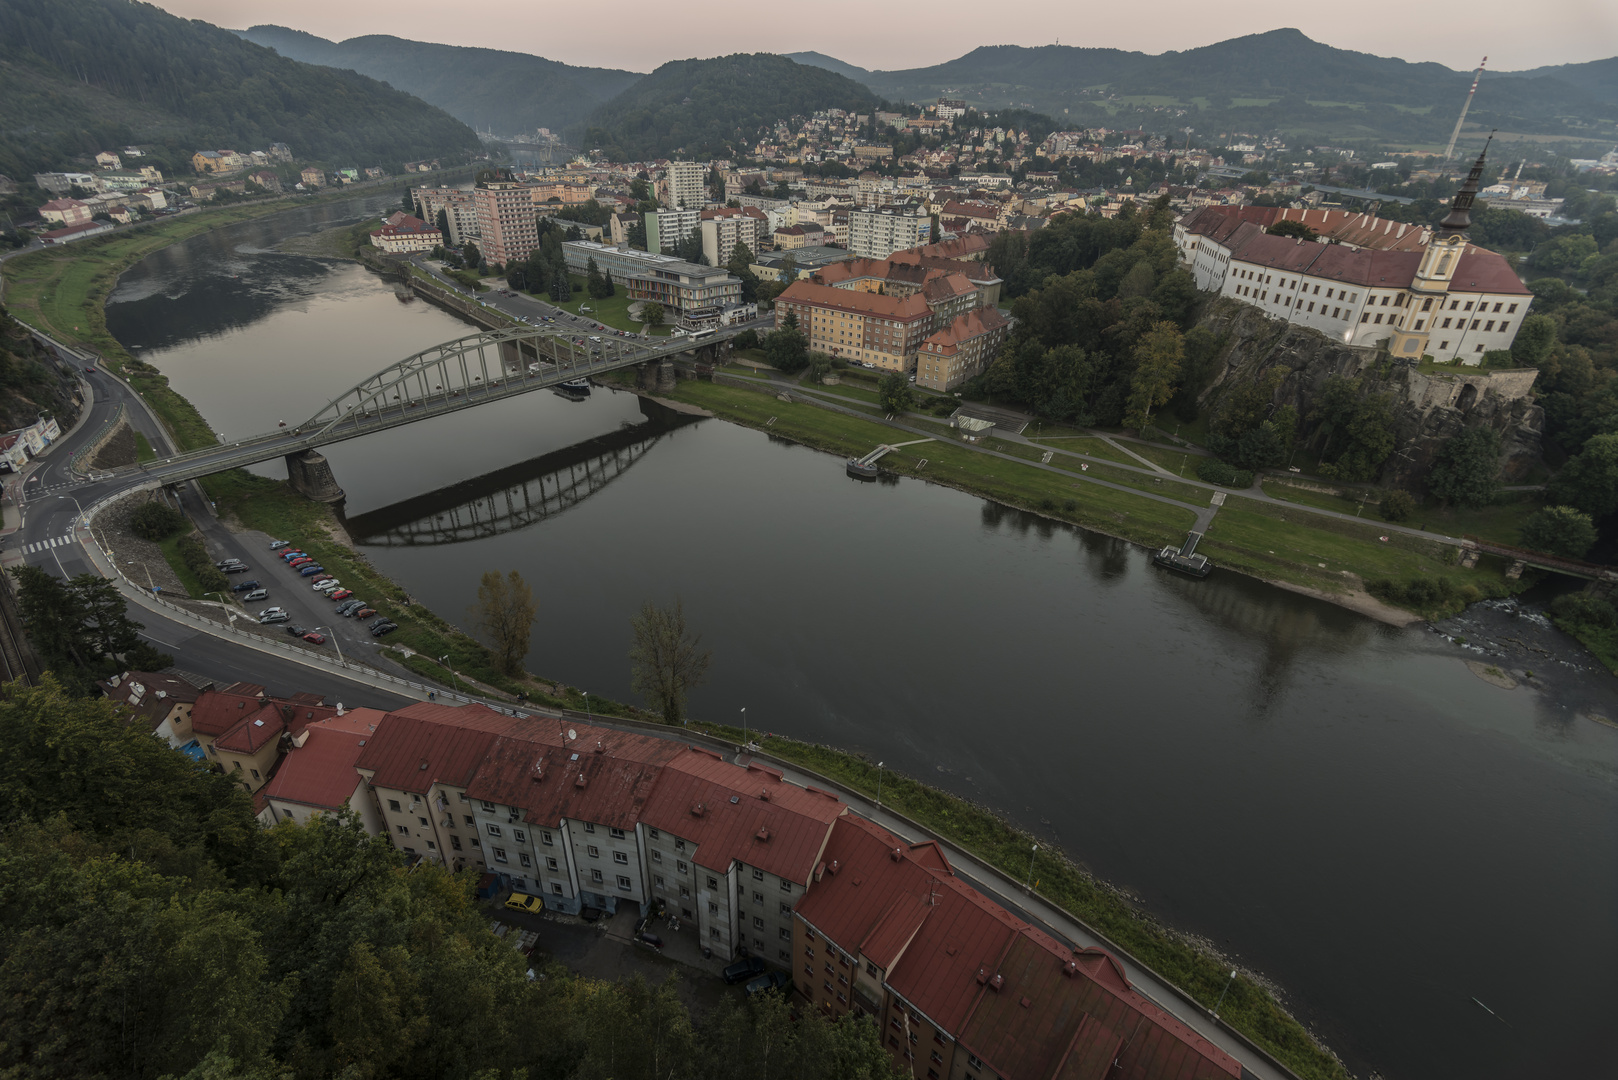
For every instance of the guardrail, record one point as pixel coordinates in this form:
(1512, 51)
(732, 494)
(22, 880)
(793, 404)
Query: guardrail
(94, 444)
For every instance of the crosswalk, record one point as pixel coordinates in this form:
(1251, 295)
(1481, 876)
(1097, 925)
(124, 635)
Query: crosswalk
(46, 545)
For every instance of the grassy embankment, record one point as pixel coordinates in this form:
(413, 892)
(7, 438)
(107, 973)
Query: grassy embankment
(1247, 536)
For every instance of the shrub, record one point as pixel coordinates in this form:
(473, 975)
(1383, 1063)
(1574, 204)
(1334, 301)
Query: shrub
(1581, 610)
(156, 521)
(1218, 472)
(1559, 530)
(747, 339)
(1398, 505)
(201, 564)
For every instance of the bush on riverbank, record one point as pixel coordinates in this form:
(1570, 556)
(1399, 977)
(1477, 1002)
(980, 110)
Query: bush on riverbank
(1214, 471)
(1593, 621)
(1432, 597)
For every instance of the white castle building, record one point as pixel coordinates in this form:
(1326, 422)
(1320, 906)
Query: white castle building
(1427, 293)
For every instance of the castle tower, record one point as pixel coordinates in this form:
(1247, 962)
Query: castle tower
(1425, 297)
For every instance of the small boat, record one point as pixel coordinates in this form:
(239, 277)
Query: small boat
(861, 470)
(573, 389)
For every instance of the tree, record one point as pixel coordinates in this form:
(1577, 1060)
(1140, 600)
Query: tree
(1466, 469)
(652, 314)
(893, 393)
(505, 613)
(156, 521)
(407, 203)
(597, 286)
(1589, 481)
(472, 256)
(1534, 339)
(740, 264)
(1397, 505)
(1157, 366)
(1559, 530)
(666, 659)
(80, 627)
(1294, 229)
(636, 235)
(786, 348)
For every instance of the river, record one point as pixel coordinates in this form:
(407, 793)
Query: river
(1340, 805)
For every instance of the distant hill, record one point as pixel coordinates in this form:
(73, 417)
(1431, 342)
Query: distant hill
(1276, 81)
(830, 63)
(702, 107)
(1598, 78)
(507, 92)
(78, 76)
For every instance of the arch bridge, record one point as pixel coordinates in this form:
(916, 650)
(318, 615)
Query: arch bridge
(444, 379)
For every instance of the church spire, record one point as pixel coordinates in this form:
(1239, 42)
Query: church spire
(1460, 211)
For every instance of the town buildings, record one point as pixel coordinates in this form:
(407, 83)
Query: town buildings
(65, 212)
(403, 233)
(666, 230)
(507, 226)
(725, 227)
(961, 350)
(678, 285)
(456, 204)
(877, 232)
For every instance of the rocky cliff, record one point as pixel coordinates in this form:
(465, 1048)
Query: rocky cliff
(1429, 407)
(31, 381)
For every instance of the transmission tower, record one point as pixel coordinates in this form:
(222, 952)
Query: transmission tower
(1450, 149)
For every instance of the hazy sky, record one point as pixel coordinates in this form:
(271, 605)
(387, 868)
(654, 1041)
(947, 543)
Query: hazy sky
(1513, 33)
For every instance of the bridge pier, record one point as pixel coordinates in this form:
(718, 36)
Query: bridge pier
(310, 475)
(657, 375)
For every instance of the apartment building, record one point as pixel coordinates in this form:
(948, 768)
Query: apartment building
(316, 774)
(666, 230)
(867, 327)
(507, 225)
(678, 285)
(403, 233)
(456, 204)
(961, 350)
(960, 988)
(725, 227)
(686, 187)
(878, 232)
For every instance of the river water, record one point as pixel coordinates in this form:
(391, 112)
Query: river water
(1340, 805)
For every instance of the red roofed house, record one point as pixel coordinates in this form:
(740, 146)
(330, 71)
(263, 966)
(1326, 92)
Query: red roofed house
(317, 774)
(960, 988)
(961, 350)
(249, 751)
(403, 233)
(159, 703)
(65, 212)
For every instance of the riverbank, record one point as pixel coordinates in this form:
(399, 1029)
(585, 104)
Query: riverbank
(1281, 544)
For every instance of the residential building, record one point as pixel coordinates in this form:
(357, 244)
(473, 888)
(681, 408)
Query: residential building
(687, 189)
(265, 179)
(108, 160)
(316, 775)
(865, 155)
(312, 177)
(769, 265)
(62, 184)
(403, 233)
(460, 214)
(876, 233)
(209, 162)
(507, 226)
(75, 232)
(869, 327)
(792, 237)
(65, 212)
(157, 702)
(961, 350)
(678, 285)
(560, 193)
(725, 227)
(959, 987)
(620, 225)
(666, 230)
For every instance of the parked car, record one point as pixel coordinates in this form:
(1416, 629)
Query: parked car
(317, 580)
(383, 628)
(648, 941)
(236, 568)
(315, 639)
(749, 967)
(341, 594)
(295, 553)
(299, 564)
(275, 617)
(521, 901)
(364, 613)
(296, 631)
(257, 594)
(246, 586)
(272, 611)
(775, 980)
(228, 562)
(309, 571)
(349, 606)
(277, 545)
(589, 914)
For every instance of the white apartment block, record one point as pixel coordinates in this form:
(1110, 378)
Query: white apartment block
(686, 190)
(878, 233)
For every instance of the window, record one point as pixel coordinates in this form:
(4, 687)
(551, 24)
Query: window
(758, 875)
(783, 956)
(523, 858)
(405, 829)
(785, 933)
(1489, 326)
(488, 807)
(476, 842)
(1446, 325)
(430, 846)
(1468, 306)
(758, 898)
(550, 864)
(1504, 326)
(393, 804)
(423, 821)
(494, 830)
(685, 893)
(545, 838)
(595, 875)
(713, 932)
(786, 886)
(1475, 323)
(972, 1060)
(623, 883)
(1427, 305)
(1479, 348)
(658, 880)
(556, 887)
(1443, 345)
(595, 852)
(616, 834)
(657, 856)
(713, 909)
(589, 827)
(519, 836)
(653, 833)
(470, 824)
(713, 883)
(409, 851)
(870, 968)
(455, 842)
(1512, 310)
(499, 854)
(758, 923)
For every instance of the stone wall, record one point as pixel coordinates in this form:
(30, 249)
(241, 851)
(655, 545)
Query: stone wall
(1429, 408)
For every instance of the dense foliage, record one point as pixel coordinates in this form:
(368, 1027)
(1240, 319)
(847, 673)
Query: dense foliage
(507, 92)
(704, 108)
(80, 76)
(80, 627)
(149, 927)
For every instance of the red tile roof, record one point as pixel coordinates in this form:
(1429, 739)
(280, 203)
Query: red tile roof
(253, 731)
(602, 776)
(150, 696)
(1478, 269)
(217, 711)
(852, 300)
(320, 773)
(425, 743)
(974, 323)
(744, 815)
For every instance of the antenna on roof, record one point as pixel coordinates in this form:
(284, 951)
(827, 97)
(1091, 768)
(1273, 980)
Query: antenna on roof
(1449, 151)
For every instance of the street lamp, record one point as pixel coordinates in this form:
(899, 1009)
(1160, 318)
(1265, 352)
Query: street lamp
(75, 503)
(587, 705)
(879, 785)
(451, 671)
(230, 612)
(1027, 886)
(149, 584)
(744, 727)
(337, 644)
(1223, 992)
